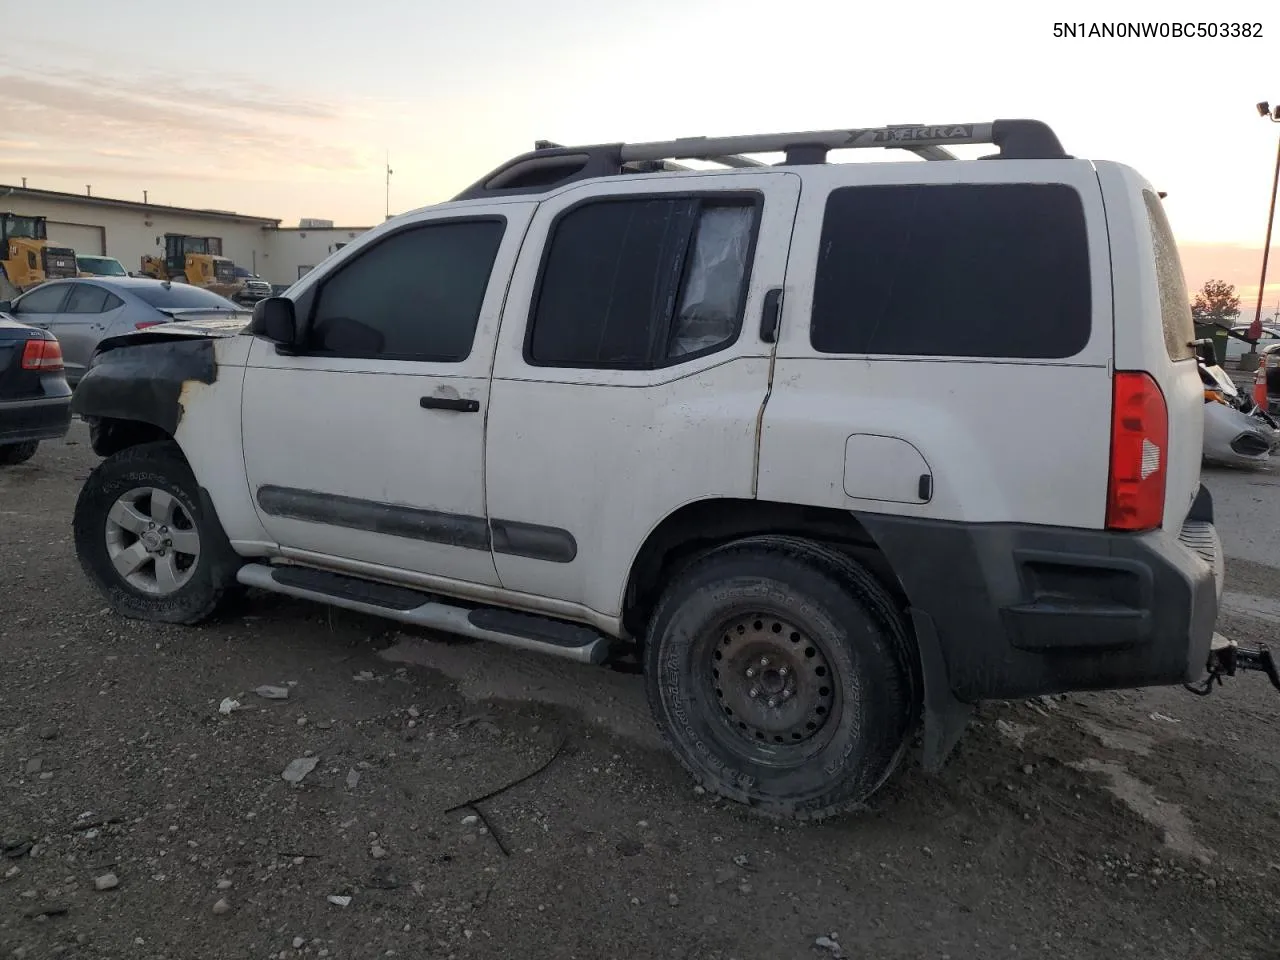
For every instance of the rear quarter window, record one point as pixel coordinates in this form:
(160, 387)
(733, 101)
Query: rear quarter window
(1175, 306)
(959, 270)
(181, 296)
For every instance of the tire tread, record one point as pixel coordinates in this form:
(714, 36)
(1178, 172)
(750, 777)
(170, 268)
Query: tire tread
(839, 574)
(164, 461)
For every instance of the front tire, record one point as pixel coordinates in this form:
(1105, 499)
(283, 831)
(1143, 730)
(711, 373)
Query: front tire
(144, 538)
(12, 454)
(781, 674)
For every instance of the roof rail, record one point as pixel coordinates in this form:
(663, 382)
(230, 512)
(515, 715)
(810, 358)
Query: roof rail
(552, 165)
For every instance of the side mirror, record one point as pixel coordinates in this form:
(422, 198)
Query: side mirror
(6, 306)
(274, 319)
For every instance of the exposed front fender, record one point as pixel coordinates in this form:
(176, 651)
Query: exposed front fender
(145, 382)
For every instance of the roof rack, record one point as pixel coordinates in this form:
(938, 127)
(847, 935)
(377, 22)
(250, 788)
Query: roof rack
(552, 165)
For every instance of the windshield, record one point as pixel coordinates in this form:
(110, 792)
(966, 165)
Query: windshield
(181, 296)
(101, 266)
(30, 227)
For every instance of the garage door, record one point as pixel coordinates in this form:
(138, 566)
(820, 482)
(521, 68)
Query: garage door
(83, 238)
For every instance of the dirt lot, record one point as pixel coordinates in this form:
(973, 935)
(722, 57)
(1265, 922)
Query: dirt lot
(1136, 823)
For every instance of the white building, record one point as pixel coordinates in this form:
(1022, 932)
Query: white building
(128, 231)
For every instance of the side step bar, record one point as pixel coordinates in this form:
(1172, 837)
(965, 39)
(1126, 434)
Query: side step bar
(525, 631)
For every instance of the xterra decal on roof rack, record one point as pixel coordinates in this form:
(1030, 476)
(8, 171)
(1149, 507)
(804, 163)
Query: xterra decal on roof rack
(552, 165)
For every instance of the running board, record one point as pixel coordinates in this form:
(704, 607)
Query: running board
(522, 630)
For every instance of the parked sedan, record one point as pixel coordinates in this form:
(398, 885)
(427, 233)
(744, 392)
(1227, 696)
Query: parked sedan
(35, 399)
(82, 312)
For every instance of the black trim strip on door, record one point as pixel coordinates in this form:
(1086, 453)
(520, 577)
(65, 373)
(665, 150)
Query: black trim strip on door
(510, 537)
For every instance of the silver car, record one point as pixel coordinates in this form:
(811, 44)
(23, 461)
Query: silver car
(82, 312)
(1232, 436)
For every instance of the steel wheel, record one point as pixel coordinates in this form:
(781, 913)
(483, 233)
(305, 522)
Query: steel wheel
(152, 541)
(774, 689)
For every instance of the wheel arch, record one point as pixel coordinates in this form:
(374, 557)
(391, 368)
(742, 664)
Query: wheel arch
(702, 525)
(136, 391)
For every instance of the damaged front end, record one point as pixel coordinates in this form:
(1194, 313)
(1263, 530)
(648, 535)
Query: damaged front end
(135, 385)
(1235, 438)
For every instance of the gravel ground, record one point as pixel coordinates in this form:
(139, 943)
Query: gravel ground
(1132, 823)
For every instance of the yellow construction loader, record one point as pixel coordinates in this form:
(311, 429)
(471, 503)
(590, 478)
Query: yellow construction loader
(194, 260)
(27, 259)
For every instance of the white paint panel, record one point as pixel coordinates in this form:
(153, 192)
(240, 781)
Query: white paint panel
(993, 459)
(608, 454)
(84, 239)
(1024, 441)
(651, 451)
(883, 468)
(346, 429)
(1139, 336)
(210, 438)
(356, 428)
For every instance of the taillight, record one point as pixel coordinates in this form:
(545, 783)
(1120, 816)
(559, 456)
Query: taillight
(143, 324)
(1139, 451)
(1260, 387)
(45, 355)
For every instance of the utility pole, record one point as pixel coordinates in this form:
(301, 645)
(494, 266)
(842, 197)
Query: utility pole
(144, 196)
(1255, 331)
(388, 184)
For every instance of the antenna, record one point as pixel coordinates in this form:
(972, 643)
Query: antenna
(389, 171)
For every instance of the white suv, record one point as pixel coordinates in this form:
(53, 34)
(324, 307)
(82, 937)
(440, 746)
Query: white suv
(836, 448)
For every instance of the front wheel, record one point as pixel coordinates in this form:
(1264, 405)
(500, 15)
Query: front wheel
(780, 672)
(145, 540)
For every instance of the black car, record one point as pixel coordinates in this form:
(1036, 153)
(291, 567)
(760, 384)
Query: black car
(35, 400)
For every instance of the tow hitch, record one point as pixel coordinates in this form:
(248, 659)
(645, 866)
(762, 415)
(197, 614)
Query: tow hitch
(1226, 657)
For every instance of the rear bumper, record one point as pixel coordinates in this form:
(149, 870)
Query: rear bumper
(1027, 610)
(25, 420)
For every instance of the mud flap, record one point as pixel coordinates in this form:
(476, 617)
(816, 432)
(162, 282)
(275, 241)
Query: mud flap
(945, 717)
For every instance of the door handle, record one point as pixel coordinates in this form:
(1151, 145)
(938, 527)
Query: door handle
(770, 314)
(459, 404)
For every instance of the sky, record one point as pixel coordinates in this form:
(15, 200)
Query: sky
(288, 108)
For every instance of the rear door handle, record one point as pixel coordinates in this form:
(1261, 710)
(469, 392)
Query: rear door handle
(770, 314)
(450, 403)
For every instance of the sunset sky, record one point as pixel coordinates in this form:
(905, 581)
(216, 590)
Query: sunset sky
(284, 108)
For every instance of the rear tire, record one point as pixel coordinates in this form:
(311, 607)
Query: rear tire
(781, 674)
(12, 454)
(144, 538)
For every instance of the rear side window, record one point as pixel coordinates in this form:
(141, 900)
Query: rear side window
(181, 296)
(1175, 308)
(45, 299)
(643, 282)
(954, 270)
(87, 298)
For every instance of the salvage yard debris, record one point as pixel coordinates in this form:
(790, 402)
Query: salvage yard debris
(297, 769)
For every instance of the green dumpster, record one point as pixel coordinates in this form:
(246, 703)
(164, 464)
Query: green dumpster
(1219, 336)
